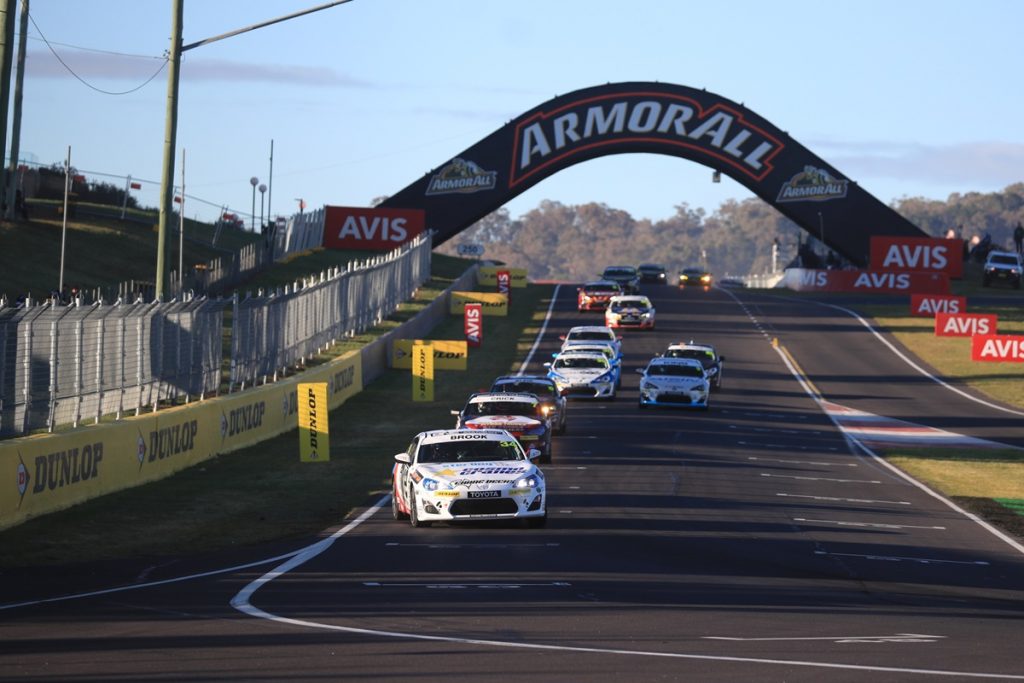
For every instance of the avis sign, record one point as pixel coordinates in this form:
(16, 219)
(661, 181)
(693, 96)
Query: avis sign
(929, 305)
(379, 229)
(917, 254)
(473, 324)
(997, 348)
(504, 282)
(964, 324)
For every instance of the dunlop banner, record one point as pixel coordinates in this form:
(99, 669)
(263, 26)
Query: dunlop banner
(422, 373)
(55, 471)
(314, 441)
(492, 303)
(487, 276)
(448, 355)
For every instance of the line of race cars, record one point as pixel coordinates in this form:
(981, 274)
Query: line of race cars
(487, 466)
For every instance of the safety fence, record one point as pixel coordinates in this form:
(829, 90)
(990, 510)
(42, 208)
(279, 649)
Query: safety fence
(273, 332)
(65, 364)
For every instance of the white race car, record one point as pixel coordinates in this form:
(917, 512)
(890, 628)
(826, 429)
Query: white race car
(678, 382)
(598, 333)
(455, 474)
(583, 374)
(713, 364)
(630, 311)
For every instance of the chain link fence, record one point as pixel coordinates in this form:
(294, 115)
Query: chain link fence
(69, 364)
(64, 364)
(281, 330)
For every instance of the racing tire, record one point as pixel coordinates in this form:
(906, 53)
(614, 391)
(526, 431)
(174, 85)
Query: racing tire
(414, 517)
(396, 512)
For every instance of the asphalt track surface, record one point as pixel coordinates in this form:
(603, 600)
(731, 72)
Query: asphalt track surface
(752, 542)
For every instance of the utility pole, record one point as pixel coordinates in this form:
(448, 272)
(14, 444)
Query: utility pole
(7, 12)
(171, 120)
(19, 81)
(170, 140)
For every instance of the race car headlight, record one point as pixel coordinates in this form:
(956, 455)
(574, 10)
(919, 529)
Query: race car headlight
(606, 377)
(434, 485)
(546, 410)
(527, 482)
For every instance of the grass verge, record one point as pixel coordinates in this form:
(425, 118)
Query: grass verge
(984, 481)
(264, 493)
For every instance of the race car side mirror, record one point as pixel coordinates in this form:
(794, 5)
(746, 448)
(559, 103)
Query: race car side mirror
(641, 371)
(721, 358)
(562, 337)
(548, 365)
(455, 412)
(403, 458)
(533, 454)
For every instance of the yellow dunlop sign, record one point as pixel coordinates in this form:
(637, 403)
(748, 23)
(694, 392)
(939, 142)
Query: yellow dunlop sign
(448, 355)
(488, 276)
(314, 441)
(422, 373)
(492, 302)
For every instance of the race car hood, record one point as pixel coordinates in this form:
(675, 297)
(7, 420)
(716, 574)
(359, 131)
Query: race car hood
(513, 423)
(580, 375)
(669, 383)
(479, 474)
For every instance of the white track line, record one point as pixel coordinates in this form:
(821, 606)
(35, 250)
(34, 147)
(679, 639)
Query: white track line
(879, 459)
(540, 334)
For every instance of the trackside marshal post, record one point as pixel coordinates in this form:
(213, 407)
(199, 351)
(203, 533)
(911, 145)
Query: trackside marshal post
(422, 372)
(314, 441)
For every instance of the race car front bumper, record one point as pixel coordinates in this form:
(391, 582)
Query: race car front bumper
(459, 504)
(652, 396)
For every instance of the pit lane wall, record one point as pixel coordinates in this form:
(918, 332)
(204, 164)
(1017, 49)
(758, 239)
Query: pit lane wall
(50, 472)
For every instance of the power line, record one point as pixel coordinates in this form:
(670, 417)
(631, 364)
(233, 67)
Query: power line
(86, 83)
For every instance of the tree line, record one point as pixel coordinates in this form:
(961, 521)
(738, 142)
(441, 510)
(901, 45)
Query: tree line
(558, 241)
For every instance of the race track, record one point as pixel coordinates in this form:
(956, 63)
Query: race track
(755, 541)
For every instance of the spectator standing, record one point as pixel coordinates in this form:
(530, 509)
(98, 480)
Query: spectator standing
(1018, 238)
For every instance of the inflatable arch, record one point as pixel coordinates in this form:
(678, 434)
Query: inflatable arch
(658, 118)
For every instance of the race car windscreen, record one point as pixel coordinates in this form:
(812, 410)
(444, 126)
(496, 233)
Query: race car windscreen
(599, 289)
(502, 408)
(674, 371)
(468, 451)
(619, 273)
(539, 388)
(595, 363)
(589, 336)
(706, 358)
(626, 305)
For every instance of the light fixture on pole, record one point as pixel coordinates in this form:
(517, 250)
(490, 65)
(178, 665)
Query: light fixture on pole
(254, 181)
(716, 177)
(263, 189)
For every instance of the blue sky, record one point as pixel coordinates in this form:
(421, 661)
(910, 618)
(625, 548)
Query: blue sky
(909, 98)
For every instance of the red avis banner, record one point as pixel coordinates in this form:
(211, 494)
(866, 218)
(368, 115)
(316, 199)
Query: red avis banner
(997, 348)
(964, 324)
(867, 281)
(473, 323)
(348, 227)
(928, 305)
(918, 254)
(504, 280)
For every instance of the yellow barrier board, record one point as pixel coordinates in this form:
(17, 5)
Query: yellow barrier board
(492, 302)
(448, 355)
(487, 276)
(422, 373)
(314, 422)
(56, 471)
